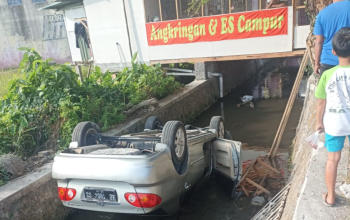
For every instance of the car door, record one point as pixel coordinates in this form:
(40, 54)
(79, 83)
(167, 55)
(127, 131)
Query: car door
(227, 156)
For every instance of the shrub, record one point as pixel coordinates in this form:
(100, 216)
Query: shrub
(143, 82)
(41, 110)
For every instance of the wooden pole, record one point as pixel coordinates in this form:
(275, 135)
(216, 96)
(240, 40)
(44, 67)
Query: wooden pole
(78, 69)
(292, 98)
(160, 10)
(259, 4)
(202, 10)
(229, 6)
(289, 107)
(285, 118)
(222, 6)
(177, 10)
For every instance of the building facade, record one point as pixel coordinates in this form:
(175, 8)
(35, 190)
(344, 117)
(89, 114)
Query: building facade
(23, 25)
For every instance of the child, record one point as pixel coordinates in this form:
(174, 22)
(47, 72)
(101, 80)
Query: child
(333, 109)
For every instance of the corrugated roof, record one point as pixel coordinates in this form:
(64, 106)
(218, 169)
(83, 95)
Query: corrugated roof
(61, 4)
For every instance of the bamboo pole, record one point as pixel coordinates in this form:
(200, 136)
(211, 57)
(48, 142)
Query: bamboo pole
(288, 110)
(289, 106)
(292, 97)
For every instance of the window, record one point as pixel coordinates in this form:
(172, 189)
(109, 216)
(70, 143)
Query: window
(168, 10)
(187, 10)
(152, 10)
(164, 10)
(38, 1)
(301, 17)
(216, 7)
(14, 2)
(237, 6)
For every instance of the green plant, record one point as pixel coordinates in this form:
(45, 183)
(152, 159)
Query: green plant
(4, 176)
(142, 82)
(41, 109)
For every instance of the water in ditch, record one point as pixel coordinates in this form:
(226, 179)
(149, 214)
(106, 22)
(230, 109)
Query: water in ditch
(255, 128)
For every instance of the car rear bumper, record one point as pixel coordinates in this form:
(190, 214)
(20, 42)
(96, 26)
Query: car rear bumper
(120, 206)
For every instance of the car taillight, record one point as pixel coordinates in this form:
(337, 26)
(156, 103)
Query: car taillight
(66, 194)
(143, 200)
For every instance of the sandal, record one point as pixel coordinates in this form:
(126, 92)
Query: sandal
(325, 200)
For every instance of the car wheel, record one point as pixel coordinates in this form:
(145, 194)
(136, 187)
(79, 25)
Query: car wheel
(227, 135)
(84, 133)
(217, 123)
(153, 123)
(174, 136)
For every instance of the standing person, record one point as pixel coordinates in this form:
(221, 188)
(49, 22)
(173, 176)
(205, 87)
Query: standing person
(333, 109)
(328, 22)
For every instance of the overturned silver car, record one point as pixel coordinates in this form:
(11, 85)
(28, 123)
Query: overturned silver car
(143, 173)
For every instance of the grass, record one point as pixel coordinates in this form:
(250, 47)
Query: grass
(5, 77)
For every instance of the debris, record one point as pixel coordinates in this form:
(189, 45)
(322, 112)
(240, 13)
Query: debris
(345, 189)
(246, 99)
(245, 182)
(258, 200)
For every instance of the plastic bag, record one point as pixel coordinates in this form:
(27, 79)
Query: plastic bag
(312, 140)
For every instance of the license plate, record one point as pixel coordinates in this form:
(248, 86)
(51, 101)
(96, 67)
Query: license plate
(101, 195)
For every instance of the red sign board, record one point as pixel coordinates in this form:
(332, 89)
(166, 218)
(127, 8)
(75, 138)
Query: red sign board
(217, 28)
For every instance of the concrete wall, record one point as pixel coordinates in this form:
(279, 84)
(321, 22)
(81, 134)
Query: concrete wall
(301, 154)
(25, 26)
(32, 197)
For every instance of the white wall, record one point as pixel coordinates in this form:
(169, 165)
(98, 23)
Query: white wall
(70, 15)
(107, 26)
(300, 36)
(137, 28)
(281, 43)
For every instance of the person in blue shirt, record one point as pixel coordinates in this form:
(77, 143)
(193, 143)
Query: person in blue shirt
(328, 22)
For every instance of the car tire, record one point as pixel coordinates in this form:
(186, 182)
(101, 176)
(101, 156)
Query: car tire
(174, 136)
(217, 123)
(227, 135)
(82, 133)
(153, 123)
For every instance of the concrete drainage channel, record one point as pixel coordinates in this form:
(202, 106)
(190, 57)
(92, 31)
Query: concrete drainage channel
(34, 196)
(212, 200)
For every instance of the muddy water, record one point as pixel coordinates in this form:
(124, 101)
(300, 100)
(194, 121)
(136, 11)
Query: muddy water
(258, 125)
(256, 128)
